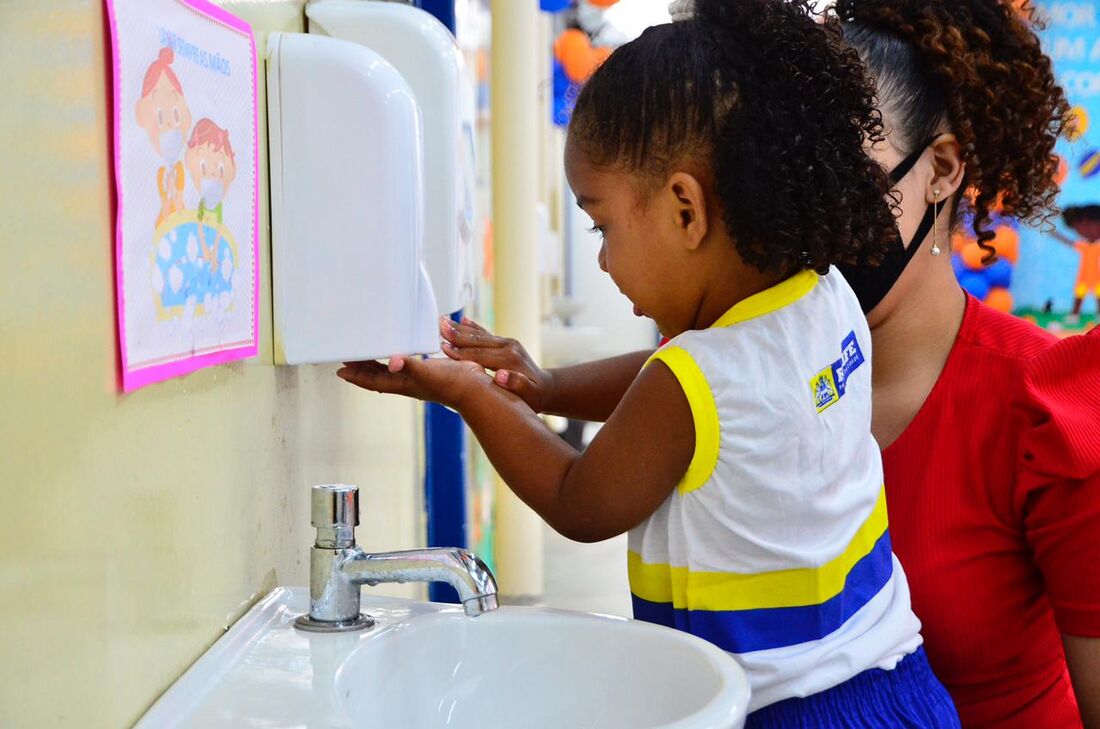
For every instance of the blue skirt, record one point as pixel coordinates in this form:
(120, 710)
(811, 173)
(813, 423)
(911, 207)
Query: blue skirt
(910, 696)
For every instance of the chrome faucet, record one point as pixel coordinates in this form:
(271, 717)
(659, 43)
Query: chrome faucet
(338, 567)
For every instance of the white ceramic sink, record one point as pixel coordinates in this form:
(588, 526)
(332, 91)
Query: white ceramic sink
(427, 665)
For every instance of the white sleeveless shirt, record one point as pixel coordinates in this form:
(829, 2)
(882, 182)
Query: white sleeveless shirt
(775, 545)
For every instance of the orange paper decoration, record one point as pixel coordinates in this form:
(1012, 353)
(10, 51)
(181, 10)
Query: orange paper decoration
(1063, 170)
(571, 41)
(1007, 243)
(959, 241)
(1000, 299)
(577, 56)
(972, 256)
(579, 66)
(599, 55)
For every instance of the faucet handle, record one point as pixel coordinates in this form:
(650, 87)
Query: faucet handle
(334, 511)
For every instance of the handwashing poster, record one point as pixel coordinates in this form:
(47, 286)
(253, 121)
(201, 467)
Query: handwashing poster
(185, 171)
(1061, 281)
(1052, 276)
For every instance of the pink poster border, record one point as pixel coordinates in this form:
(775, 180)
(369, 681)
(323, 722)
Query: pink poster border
(134, 379)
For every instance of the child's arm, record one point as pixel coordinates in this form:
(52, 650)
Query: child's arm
(592, 390)
(589, 391)
(1063, 238)
(1083, 660)
(629, 469)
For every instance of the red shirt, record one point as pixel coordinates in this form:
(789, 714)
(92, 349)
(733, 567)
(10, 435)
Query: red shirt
(994, 494)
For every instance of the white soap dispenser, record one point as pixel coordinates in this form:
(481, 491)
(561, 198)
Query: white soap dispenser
(425, 53)
(346, 205)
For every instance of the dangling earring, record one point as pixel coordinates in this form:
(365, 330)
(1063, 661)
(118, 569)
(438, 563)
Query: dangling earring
(936, 223)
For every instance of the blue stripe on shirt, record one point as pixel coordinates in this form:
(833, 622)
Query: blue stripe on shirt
(743, 631)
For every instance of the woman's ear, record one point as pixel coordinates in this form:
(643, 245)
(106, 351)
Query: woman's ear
(948, 168)
(687, 206)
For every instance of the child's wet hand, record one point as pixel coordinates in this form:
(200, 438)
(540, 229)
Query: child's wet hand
(436, 380)
(522, 386)
(515, 371)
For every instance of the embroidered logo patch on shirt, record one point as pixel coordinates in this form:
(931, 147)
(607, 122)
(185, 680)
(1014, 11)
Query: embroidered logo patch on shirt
(829, 385)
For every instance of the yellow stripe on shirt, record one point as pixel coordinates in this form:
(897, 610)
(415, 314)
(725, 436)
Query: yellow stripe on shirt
(661, 583)
(704, 414)
(783, 294)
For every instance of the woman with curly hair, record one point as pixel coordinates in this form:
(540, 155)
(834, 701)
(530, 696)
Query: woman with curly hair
(722, 160)
(990, 426)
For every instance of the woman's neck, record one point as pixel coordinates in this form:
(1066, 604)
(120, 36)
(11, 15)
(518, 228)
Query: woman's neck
(911, 345)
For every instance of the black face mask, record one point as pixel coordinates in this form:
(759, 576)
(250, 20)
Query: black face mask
(872, 283)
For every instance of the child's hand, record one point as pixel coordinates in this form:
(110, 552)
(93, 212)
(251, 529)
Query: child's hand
(515, 371)
(437, 380)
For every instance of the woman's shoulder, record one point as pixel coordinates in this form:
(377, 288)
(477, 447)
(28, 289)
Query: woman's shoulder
(1054, 394)
(994, 352)
(1059, 406)
(997, 333)
(1047, 388)
(1043, 368)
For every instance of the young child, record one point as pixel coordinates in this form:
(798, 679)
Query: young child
(1084, 220)
(213, 167)
(163, 113)
(722, 161)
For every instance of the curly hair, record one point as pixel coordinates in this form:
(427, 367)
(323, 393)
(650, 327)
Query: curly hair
(977, 65)
(778, 106)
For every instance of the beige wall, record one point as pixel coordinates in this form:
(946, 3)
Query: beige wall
(134, 529)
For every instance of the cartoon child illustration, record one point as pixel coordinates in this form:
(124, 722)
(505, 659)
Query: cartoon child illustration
(212, 166)
(1085, 222)
(162, 112)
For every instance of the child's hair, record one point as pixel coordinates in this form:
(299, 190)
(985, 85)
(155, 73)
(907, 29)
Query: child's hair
(163, 65)
(775, 103)
(1074, 214)
(207, 132)
(977, 65)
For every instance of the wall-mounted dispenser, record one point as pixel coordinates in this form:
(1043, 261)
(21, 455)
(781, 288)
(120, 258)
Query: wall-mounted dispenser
(424, 52)
(346, 205)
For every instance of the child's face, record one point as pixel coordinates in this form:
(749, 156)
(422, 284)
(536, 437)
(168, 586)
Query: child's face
(211, 171)
(164, 116)
(639, 248)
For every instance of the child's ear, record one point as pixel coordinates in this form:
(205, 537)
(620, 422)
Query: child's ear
(689, 208)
